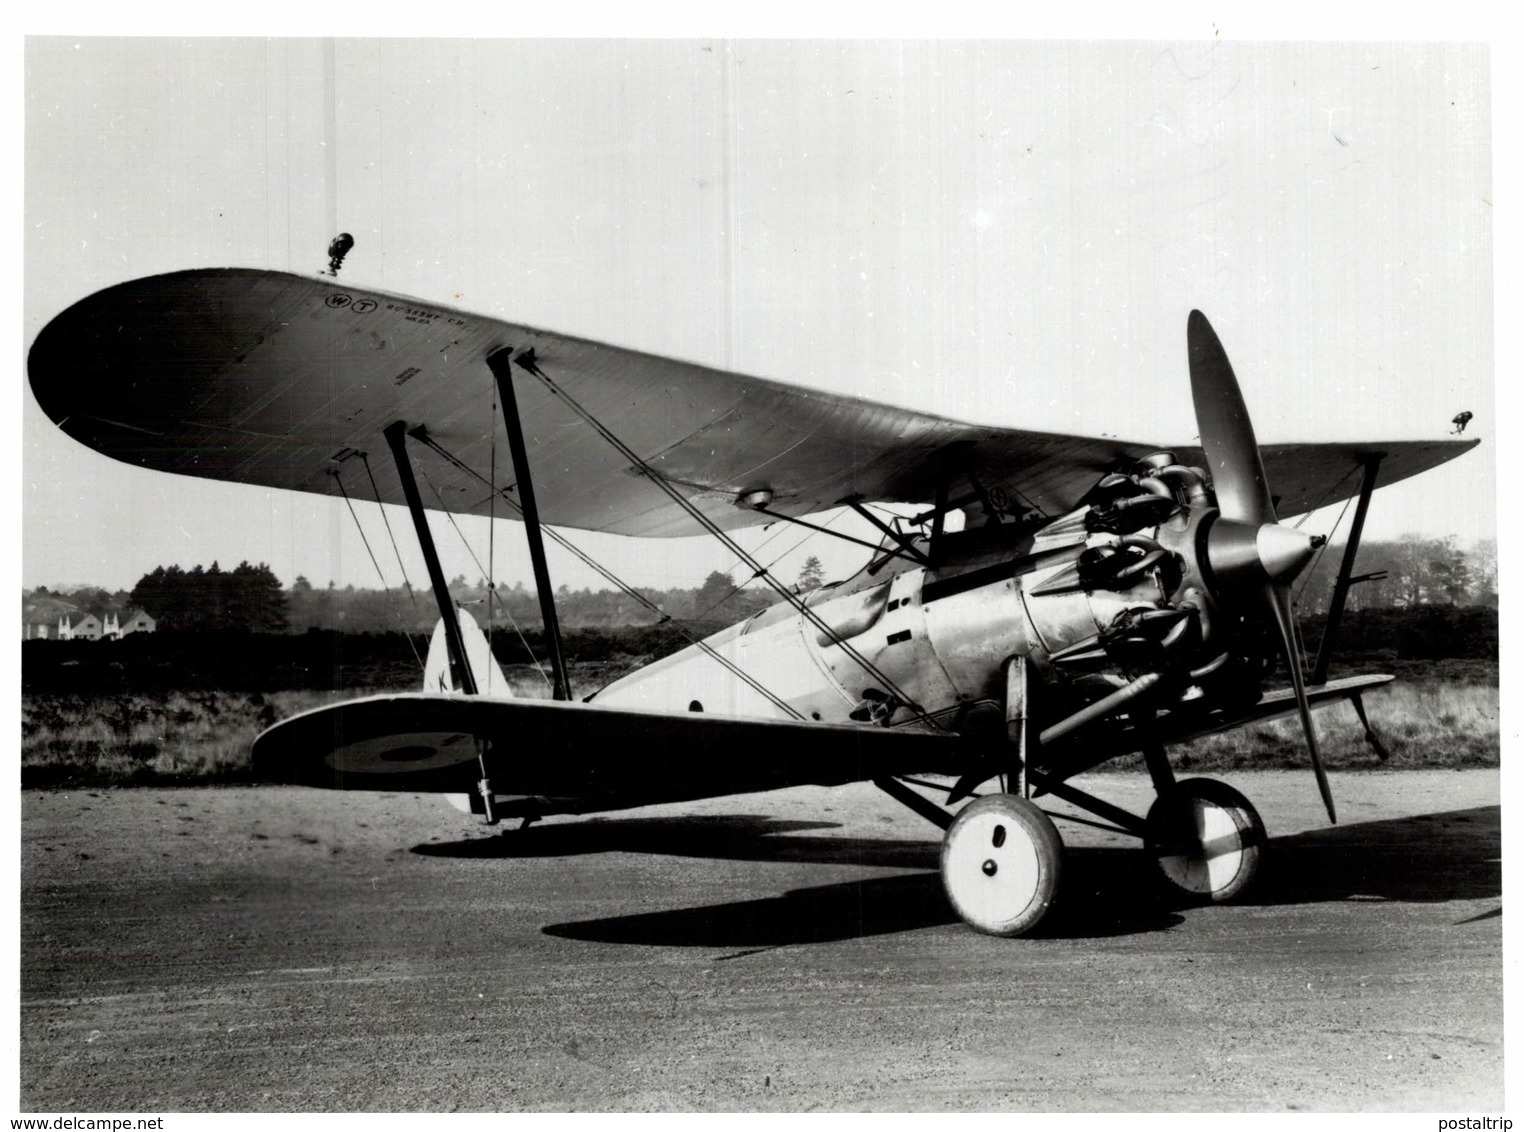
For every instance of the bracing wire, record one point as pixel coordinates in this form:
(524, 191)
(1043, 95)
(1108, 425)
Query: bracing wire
(1032, 508)
(807, 536)
(1322, 550)
(714, 529)
(1307, 578)
(469, 550)
(737, 589)
(783, 526)
(1327, 495)
(376, 492)
(385, 588)
(592, 564)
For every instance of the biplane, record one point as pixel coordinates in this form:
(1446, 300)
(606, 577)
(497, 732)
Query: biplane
(1098, 598)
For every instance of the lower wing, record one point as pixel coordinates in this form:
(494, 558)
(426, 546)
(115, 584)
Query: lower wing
(571, 757)
(1272, 705)
(576, 757)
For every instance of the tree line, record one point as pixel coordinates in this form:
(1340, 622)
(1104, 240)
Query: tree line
(246, 598)
(1418, 572)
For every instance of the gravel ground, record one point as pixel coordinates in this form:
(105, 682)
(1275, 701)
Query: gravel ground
(288, 949)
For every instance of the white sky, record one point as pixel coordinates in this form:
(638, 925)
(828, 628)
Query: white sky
(1001, 231)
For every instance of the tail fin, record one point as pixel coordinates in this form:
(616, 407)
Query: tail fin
(490, 680)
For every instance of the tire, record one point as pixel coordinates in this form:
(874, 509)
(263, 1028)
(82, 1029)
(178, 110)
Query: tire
(1001, 860)
(1205, 840)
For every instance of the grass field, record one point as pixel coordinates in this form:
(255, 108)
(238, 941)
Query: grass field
(196, 736)
(204, 736)
(1421, 723)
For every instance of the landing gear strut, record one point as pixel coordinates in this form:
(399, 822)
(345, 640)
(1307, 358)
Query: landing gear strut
(1002, 856)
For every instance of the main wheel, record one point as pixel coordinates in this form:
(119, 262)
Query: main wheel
(1000, 864)
(1205, 838)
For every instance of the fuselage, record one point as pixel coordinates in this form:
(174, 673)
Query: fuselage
(1146, 587)
(935, 640)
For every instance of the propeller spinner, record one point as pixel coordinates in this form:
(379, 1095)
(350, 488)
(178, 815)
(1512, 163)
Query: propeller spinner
(1247, 548)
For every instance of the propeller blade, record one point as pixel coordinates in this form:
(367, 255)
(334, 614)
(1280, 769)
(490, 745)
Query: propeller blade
(1278, 597)
(1227, 434)
(1247, 541)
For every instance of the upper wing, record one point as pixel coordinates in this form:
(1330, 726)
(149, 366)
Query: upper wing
(579, 756)
(287, 381)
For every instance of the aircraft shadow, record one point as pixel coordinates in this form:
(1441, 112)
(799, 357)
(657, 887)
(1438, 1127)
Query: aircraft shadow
(1443, 856)
(1456, 855)
(1106, 891)
(854, 910)
(736, 837)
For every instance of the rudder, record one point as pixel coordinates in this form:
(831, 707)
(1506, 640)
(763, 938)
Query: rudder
(437, 677)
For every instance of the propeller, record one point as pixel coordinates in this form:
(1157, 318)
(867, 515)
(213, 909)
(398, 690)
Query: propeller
(1246, 547)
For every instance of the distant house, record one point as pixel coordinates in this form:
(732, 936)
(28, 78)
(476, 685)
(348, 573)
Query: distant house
(88, 628)
(136, 622)
(42, 614)
(59, 623)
